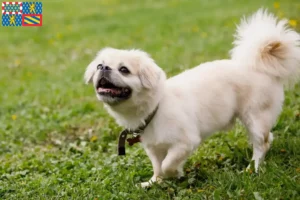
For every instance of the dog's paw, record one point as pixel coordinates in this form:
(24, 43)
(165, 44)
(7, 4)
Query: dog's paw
(252, 168)
(180, 173)
(154, 179)
(248, 170)
(144, 184)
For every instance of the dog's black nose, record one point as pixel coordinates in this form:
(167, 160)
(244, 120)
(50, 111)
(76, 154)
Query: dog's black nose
(105, 68)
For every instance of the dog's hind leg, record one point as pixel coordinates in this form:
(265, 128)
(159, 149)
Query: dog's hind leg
(172, 165)
(260, 136)
(261, 145)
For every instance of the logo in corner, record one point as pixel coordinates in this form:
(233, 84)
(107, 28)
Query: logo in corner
(22, 14)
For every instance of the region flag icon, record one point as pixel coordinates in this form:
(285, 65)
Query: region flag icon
(22, 13)
(32, 20)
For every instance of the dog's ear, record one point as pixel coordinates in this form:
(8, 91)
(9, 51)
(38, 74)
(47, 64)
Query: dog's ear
(148, 76)
(149, 72)
(89, 72)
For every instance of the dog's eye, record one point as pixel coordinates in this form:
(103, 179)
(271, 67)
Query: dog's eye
(124, 70)
(99, 66)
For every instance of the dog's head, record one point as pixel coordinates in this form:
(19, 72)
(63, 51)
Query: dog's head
(121, 75)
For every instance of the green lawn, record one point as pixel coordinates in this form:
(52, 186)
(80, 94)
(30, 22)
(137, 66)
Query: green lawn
(57, 141)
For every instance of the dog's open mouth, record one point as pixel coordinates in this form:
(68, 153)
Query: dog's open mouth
(106, 88)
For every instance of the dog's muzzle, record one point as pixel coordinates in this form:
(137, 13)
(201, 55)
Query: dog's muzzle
(105, 87)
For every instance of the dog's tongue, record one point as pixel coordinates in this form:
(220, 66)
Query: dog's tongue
(100, 89)
(111, 90)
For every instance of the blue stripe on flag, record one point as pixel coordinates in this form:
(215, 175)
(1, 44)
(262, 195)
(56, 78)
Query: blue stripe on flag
(35, 17)
(26, 18)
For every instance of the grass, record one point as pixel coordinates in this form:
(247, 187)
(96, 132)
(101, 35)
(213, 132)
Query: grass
(57, 141)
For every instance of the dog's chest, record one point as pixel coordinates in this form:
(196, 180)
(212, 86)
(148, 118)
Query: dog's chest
(156, 136)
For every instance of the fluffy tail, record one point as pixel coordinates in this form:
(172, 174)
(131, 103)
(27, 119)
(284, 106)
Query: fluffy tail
(265, 44)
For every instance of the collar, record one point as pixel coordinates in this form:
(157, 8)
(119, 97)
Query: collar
(138, 132)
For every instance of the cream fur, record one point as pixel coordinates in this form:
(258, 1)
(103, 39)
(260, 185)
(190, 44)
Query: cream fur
(208, 98)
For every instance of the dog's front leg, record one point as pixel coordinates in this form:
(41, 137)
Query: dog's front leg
(156, 156)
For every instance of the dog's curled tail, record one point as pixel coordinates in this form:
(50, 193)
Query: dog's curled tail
(266, 44)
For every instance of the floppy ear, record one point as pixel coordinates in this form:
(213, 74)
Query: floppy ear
(149, 73)
(89, 72)
(149, 76)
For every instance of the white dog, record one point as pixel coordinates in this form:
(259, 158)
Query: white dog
(193, 105)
